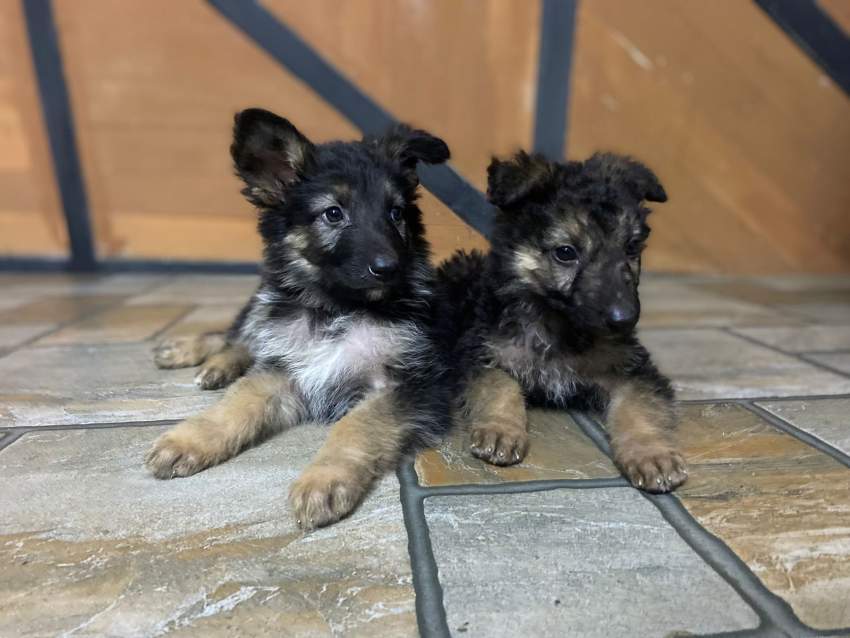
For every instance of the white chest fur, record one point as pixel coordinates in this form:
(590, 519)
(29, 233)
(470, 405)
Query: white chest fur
(330, 361)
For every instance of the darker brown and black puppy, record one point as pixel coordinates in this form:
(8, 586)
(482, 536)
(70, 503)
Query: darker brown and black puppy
(340, 328)
(549, 315)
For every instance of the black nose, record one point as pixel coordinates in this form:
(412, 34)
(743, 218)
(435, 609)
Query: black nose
(622, 316)
(383, 267)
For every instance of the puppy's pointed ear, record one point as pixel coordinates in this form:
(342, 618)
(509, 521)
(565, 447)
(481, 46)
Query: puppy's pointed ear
(510, 182)
(637, 177)
(408, 146)
(270, 154)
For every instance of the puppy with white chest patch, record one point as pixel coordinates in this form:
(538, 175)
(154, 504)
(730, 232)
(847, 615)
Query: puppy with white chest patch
(340, 328)
(549, 316)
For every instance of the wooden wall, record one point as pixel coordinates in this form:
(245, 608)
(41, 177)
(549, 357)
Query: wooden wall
(31, 221)
(750, 138)
(748, 135)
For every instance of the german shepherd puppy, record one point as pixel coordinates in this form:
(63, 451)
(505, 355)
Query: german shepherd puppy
(549, 315)
(340, 328)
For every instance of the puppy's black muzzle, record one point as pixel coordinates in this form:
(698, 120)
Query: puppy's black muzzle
(623, 316)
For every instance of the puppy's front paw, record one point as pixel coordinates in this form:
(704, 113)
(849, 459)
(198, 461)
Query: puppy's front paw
(498, 444)
(653, 467)
(176, 353)
(212, 376)
(176, 455)
(323, 494)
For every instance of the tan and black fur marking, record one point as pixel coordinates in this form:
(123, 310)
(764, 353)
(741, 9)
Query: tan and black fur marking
(222, 361)
(340, 330)
(554, 306)
(493, 410)
(187, 352)
(254, 407)
(361, 446)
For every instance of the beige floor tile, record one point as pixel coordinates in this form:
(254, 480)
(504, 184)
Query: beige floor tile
(117, 325)
(14, 335)
(807, 302)
(91, 545)
(673, 304)
(835, 312)
(804, 282)
(558, 450)
(22, 286)
(59, 309)
(827, 419)
(208, 318)
(801, 338)
(202, 289)
(781, 506)
(773, 294)
(706, 364)
(839, 361)
(93, 384)
(598, 563)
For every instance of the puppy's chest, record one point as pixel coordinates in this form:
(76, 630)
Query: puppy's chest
(331, 355)
(538, 365)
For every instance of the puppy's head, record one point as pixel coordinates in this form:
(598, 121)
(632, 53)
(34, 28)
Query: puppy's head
(339, 217)
(572, 234)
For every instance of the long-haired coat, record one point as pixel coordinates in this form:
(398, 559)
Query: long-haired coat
(549, 316)
(339, 330)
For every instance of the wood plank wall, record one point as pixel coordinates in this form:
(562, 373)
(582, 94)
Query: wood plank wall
(748, 135)
(31, 222)
(750, 138)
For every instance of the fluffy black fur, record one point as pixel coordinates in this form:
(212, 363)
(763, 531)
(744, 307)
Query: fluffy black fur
(344, 253)
(555, 302)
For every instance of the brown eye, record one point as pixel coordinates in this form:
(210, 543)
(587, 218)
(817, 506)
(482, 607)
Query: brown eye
(396, 215)
(565, 254)
(333, 215)
(634, 247)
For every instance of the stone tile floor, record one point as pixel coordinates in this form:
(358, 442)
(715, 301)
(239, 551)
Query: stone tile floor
(757, 543)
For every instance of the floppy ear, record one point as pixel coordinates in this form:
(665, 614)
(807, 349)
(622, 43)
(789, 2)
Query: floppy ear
(509, 182)
(637, 177)
(269, 153)
(408, 146)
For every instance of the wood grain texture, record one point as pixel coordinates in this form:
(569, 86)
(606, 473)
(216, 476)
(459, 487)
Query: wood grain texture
(154, 99)
(30, 219)
(747, 134)
(465, 70)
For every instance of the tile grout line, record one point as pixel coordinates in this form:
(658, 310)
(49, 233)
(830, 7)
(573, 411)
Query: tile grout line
(808, 359)
(788, 397)
(756, 342)
(772, 610)
(518, 487)
(170, 324)
(678, 327)
(832, 351)
(82, 317)
(10, 437)
(430, 611)
(801, 435)
(758, 632)
(24, 429)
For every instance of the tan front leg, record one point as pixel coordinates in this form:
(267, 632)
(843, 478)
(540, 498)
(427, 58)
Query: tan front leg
(360, 447)
(641, 426)
(494, 408)
(186, 352)
(253, 407)
(223, 368)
